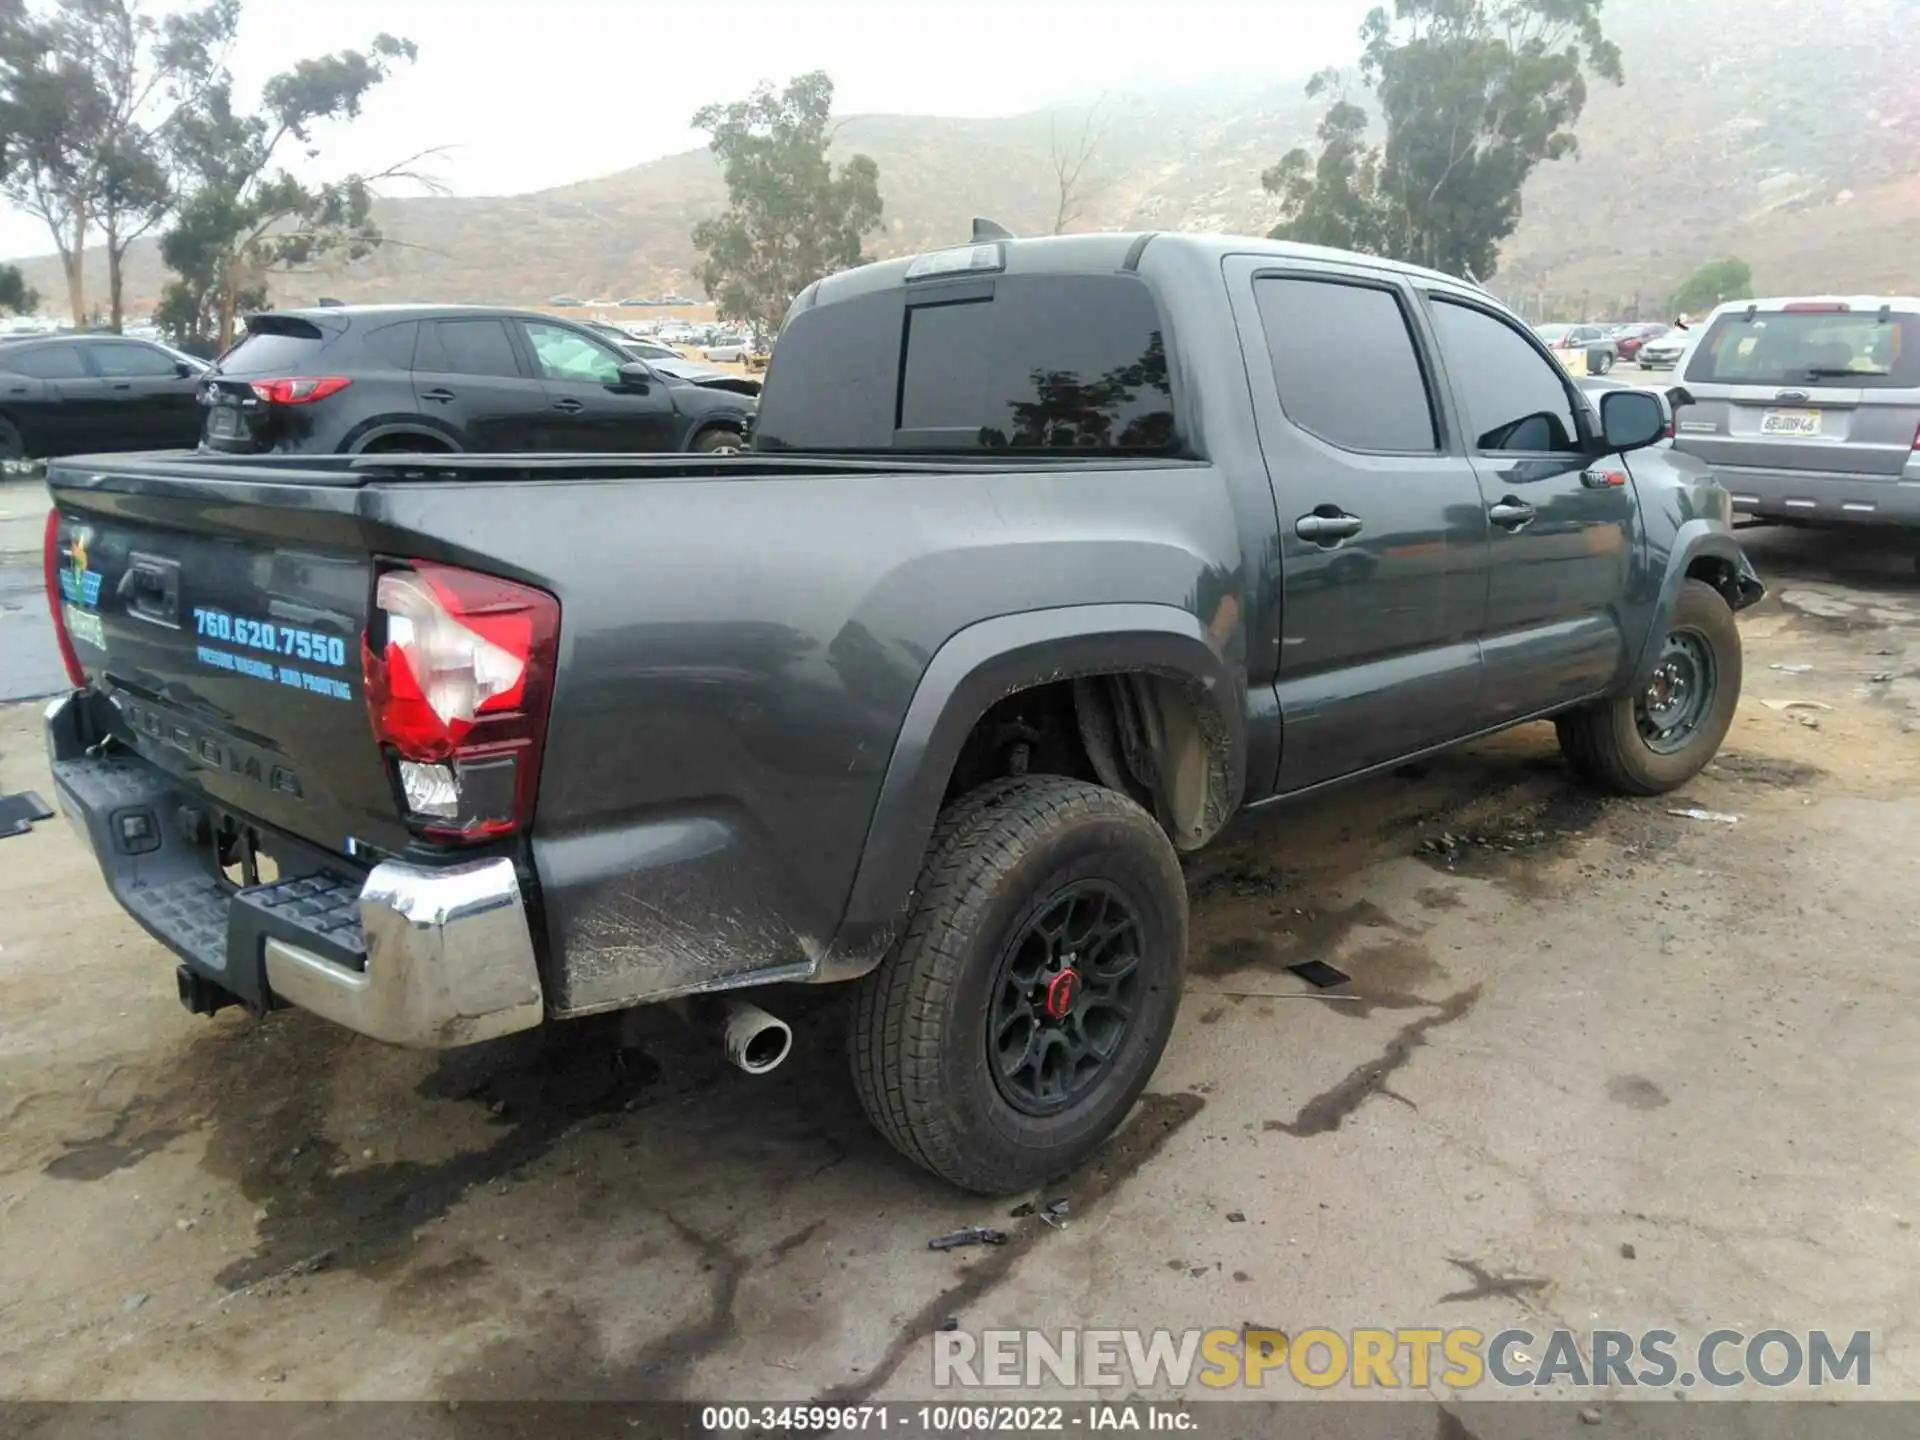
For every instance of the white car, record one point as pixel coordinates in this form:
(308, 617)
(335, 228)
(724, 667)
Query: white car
(733, 352)
(1667, 351)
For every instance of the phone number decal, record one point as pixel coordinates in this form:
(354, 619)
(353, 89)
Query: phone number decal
(263, 635)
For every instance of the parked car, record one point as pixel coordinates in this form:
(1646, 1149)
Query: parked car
(72, 394)
(1666, 350)
(361, 379)
(1631, 337)
(1600, 351)
(924, 695)
(1808, 407)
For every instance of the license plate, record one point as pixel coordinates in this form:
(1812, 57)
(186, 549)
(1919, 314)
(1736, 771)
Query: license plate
(223, 422)
(1790, 422)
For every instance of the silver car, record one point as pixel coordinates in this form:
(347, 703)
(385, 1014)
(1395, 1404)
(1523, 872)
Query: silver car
(1808, 409)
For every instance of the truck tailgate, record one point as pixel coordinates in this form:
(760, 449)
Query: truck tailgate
(230, 644)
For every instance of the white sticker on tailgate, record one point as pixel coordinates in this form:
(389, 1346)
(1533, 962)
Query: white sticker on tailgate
(84, 625)
(1790, 422)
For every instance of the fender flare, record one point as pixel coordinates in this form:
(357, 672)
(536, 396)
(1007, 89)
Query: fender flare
(1695, 540)
(983, 664)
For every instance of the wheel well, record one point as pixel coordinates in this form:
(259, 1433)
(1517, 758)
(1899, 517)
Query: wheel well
(407, 443)
(1724, 576)
(1153, 737)
(726, 423)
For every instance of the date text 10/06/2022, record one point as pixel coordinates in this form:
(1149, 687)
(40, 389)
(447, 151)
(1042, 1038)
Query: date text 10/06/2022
(967, 1419)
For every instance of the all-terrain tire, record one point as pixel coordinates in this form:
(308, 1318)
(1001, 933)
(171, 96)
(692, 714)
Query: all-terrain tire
(1604, 742)
(919, 1024)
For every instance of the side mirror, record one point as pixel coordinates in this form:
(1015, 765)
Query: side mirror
(636, 376)
(184, 370)
(1632, 419)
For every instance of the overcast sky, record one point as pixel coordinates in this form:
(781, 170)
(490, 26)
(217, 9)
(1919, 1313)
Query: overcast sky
(530, 95)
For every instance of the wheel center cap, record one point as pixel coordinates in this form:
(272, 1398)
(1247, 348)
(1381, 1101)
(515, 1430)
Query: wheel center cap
(1062, 991)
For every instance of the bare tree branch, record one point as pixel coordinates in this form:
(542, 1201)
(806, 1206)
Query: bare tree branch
(1078, 181)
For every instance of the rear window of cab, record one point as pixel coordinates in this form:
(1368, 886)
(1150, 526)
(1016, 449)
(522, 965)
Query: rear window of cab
(1025, 363)
(1810, 349)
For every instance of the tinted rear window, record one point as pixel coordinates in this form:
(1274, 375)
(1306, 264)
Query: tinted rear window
(48, 362)
(288, 348)
(467, 347)
(1810, 349)
(1022, 362)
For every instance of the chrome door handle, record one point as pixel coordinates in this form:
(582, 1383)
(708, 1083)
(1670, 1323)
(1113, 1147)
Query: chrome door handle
(1511, 514)
(1325, 529)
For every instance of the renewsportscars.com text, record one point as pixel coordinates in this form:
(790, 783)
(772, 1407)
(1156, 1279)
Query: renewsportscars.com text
(1415, 1359)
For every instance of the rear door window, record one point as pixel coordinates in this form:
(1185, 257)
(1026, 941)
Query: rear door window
(1020, 362)
(392, 345)
(467, 347)
(46, 362)
(1810, 348)
(1345, 363)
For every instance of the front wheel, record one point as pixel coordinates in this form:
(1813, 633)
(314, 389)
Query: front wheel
(1660, 738)
(1016, 1021)
(719, 442)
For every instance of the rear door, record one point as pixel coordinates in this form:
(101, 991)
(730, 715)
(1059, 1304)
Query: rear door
(1561, 514)
(62, 406)
(588, 407)
(155, 406)
(1383, 536)
(468, 376)
(1818, 388)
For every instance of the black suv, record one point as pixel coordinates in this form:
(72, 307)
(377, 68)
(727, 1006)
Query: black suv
(358, 379)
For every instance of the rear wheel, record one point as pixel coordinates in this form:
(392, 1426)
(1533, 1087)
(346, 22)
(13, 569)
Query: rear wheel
(719, 442)
(13, 445)
(1019, 1017)
(1657, 740)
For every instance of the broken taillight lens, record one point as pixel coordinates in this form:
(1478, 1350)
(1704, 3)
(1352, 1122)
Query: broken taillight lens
(459, 671)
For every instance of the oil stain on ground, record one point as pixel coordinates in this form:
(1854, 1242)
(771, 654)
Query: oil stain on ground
(1327, 1111)
(1636, 1092)
(1157, 1120)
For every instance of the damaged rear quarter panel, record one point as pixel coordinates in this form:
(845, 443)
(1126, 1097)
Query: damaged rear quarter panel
(736, 660)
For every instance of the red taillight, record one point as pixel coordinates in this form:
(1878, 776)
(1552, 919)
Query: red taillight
(299, 389)
(1916, 437)
(459, 670)
(56, 602)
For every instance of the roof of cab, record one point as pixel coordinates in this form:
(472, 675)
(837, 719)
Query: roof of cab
(1103, 252)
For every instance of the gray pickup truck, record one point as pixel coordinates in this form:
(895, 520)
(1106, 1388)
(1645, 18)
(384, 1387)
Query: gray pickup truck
(1050, 555)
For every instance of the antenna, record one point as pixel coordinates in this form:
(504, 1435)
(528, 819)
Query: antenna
(984, 229)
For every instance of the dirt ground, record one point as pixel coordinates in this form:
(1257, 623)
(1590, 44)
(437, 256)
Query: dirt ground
(1603, 1065)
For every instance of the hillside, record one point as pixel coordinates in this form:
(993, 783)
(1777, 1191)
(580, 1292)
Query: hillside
(1783, 131)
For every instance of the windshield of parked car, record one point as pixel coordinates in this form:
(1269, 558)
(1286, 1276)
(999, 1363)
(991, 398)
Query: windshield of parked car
(1812, 347)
